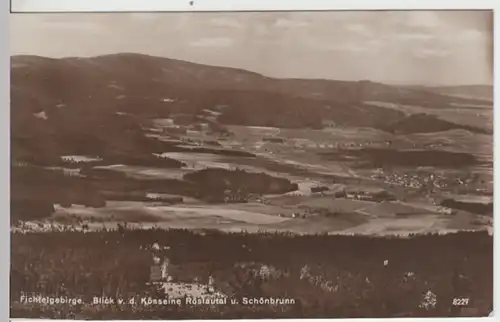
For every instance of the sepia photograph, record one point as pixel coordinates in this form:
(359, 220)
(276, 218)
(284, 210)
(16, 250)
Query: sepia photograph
(251, 165)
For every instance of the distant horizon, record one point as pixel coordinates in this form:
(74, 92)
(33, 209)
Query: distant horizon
(432, 48)
(255, 72)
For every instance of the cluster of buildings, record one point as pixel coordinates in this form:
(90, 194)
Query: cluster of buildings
(415, 180)
(19, 164)
(163, 271)
(364, 144)
(308, 144)
(378, 195)
(229, 196)
(170, 126)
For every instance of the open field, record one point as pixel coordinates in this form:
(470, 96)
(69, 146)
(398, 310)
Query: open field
(296, 157)
(144, 173)
(458, 140)
(316, 214)
(130, 211)
(307, 138)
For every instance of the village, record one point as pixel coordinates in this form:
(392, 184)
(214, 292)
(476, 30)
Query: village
(418, 179)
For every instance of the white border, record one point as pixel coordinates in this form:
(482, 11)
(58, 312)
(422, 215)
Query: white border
(45, 6)
(5, 169)
(486, 319)
(239, 5)
(496, 156)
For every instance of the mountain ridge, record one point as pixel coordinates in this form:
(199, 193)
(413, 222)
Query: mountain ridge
(240, 69)
(83, 99)
(289, 86)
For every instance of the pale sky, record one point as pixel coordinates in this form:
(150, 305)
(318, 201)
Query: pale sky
(399, 47)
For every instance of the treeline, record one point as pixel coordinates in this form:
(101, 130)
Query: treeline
(271, 109)
(425, 123)
(219, 180)
(83, 130)
(328, 276)
(264, 108)
(35, 190)
(472, 207)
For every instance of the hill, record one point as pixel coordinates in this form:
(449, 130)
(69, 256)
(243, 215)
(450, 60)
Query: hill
(423, 123)
(122, 71)
(477, 92)
(101, 105)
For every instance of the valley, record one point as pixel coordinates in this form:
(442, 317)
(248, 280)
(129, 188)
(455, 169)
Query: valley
(251, 164)
(194, 170)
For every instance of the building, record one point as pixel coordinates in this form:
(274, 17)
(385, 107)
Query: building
(369, 194)
(446, 211)
(164, 268)
(320, 189)
(19, 164)
(155, 273)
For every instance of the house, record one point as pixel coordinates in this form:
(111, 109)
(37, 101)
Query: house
(446, 211)
(235, 197)
(298, 215)
(319, 189)
(359, 195)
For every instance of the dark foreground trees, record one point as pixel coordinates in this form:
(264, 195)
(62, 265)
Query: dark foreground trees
(327, 276)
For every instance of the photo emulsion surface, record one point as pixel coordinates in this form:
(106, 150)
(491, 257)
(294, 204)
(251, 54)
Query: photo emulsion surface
(251, 165)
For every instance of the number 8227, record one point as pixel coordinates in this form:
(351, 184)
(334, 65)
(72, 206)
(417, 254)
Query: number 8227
(460, 301)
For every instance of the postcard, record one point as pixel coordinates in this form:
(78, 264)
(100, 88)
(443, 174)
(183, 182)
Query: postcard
(251, 165)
